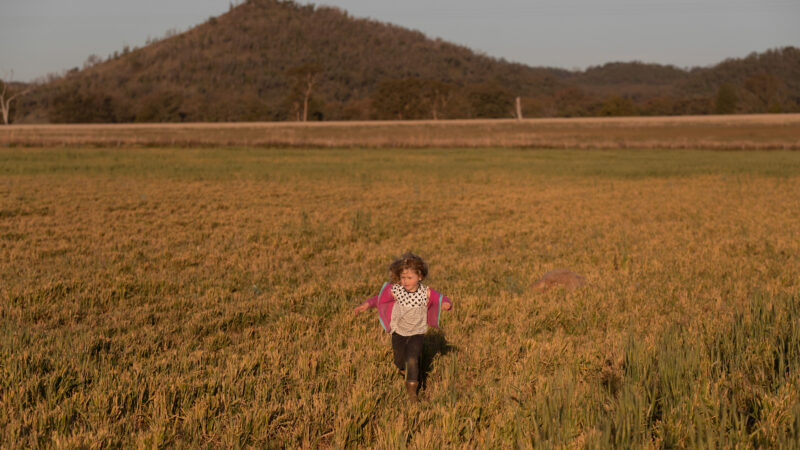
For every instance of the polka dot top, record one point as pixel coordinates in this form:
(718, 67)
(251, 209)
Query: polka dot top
(410, 299)
(410, 311)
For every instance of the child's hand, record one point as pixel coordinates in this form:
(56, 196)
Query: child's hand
(360, 308)
(447, 306)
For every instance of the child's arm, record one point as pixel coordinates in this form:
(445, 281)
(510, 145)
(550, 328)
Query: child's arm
(371, 302)
(445, 301)
(362, 307)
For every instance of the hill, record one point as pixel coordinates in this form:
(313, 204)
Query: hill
(278, 60)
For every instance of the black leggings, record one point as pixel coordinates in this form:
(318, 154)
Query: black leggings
(406, 354)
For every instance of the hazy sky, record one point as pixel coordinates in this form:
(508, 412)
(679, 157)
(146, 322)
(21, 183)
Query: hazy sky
(38, 37)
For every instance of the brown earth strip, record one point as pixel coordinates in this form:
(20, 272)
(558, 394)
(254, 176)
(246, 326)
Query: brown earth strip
(754, 132)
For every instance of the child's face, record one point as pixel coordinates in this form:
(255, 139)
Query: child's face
(410, 279)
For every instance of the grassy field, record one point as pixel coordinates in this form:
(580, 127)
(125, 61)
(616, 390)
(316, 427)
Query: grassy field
(203, 297)
(730, 132)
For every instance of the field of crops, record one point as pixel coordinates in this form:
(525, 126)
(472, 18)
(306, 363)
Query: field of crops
(203, 297)
(724, 132)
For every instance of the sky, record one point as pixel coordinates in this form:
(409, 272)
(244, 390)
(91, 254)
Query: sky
(39, 37)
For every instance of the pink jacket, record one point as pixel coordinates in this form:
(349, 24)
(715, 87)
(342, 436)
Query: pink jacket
(385, 301)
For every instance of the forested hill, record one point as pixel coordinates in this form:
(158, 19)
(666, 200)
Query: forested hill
(278, 60)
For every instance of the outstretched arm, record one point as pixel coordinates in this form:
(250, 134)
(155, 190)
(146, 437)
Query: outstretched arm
(371, 302)
(446, 304)
(361, 308)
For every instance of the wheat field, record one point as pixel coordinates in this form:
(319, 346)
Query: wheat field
(202, 297)
(723, 132)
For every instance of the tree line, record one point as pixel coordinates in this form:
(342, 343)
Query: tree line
(419, 99)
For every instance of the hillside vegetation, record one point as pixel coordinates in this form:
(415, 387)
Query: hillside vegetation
(278, 60)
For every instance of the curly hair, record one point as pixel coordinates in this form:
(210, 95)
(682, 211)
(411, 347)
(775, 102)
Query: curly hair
(408, 261)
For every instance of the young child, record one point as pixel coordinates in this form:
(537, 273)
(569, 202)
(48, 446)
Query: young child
(406, 308)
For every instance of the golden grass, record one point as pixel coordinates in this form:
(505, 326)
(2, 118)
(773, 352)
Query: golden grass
(163, 297)
(685, 132)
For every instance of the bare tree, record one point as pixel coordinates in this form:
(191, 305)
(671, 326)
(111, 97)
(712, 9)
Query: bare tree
(438, 94)
(6, 98)
(92, 61)
(306, 75)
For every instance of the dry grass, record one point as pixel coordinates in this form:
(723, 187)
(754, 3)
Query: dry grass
(706, 132)
(202, 297)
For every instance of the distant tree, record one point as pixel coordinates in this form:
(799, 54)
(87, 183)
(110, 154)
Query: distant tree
(82, 107)
(571, 102)
(660, 105)
(292, 106)
(534, 106)
(438, 94)
(6, 97)
(92, 61)
(305, 76)
(694, 105)
(764, 88)
(490, 100)
(355, 109)
(412, 98)
(161, 107)
(726, 99)
(617, 106)
(295, 107)
(399, 99)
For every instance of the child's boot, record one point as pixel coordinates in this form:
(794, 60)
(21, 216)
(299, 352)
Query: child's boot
(411, 389)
